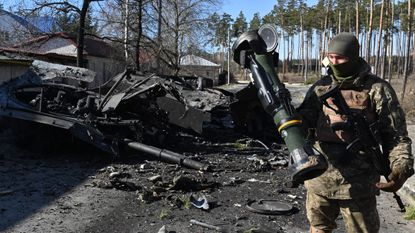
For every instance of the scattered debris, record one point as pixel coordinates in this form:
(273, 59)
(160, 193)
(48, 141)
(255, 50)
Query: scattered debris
(162, 229)
(155, 178)
(291, 196)
(6, 192)
(259, 181)
(209, 226)
(200, 203)
(259, 230)
(119, 175)
(185, 184)
(233, 181)
(147, 196)
(124, 185)
(278, 162)
(270, 207)
(145, 167)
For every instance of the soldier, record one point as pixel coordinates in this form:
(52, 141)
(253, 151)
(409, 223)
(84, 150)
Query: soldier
(351, 182)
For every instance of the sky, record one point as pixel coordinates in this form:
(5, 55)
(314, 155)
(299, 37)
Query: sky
(250, 7)
(232, 7)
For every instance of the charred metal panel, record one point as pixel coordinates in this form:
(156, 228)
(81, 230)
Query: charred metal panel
(190, 118)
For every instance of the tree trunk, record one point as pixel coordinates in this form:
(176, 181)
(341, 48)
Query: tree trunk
(400, 54)
(160, 9)
(379, 38)
(283, 42)
(319, 51)
(291, 39)
(369, 34)
(126, 23)
(326, 21)
(139, 35)
(408, 45)
(349, 21)
(306, 59)
(390, 71)
(176, 40)
(302, 47)
(357, 18)
(81, 34)
(386, 43)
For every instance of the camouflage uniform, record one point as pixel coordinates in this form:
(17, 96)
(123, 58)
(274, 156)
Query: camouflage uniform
(348, 185)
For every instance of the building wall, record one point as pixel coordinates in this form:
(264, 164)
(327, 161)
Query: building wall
(9, 71)
(105, 69)
(211, 72)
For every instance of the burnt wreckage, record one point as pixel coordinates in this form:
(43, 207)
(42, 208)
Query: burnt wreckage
(129, 111)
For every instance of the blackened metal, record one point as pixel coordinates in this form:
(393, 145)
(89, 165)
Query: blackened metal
(166, 155)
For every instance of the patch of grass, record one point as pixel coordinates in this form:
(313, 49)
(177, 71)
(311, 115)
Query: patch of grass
(240, 146)
(185, 200)
(410, 213)
(164, 213)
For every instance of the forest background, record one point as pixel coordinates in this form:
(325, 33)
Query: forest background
(168, 30)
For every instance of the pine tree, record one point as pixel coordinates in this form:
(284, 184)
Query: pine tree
(255, 22)
(240, 25)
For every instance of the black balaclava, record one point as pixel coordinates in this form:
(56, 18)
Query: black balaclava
(345, 44)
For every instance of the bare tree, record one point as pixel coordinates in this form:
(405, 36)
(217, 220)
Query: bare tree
(391, 26)
(408, 45)
(357, 17)
(386, 41)
(377, 58)
(183, 25)
(369, 33)
(67, 6)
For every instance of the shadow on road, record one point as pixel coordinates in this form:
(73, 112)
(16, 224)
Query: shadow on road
(30, 180)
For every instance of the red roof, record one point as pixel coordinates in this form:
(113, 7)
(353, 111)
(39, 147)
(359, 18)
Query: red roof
(92, 46)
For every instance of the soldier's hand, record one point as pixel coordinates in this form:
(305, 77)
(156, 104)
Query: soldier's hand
(396, 180)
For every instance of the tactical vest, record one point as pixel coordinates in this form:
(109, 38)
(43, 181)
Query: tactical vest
(359, 103)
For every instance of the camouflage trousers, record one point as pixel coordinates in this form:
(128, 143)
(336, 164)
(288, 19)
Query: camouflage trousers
(359, 215)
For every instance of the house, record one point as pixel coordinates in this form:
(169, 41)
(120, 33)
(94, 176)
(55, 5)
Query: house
(12, 65)
(196, 66)
(60, 48)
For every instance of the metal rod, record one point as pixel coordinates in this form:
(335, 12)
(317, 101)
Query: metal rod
(166, 155)
(213, 227)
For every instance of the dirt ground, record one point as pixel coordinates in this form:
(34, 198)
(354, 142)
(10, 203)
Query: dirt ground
(89, 192)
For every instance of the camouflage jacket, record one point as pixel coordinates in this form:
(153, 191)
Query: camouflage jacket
(354, 176)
